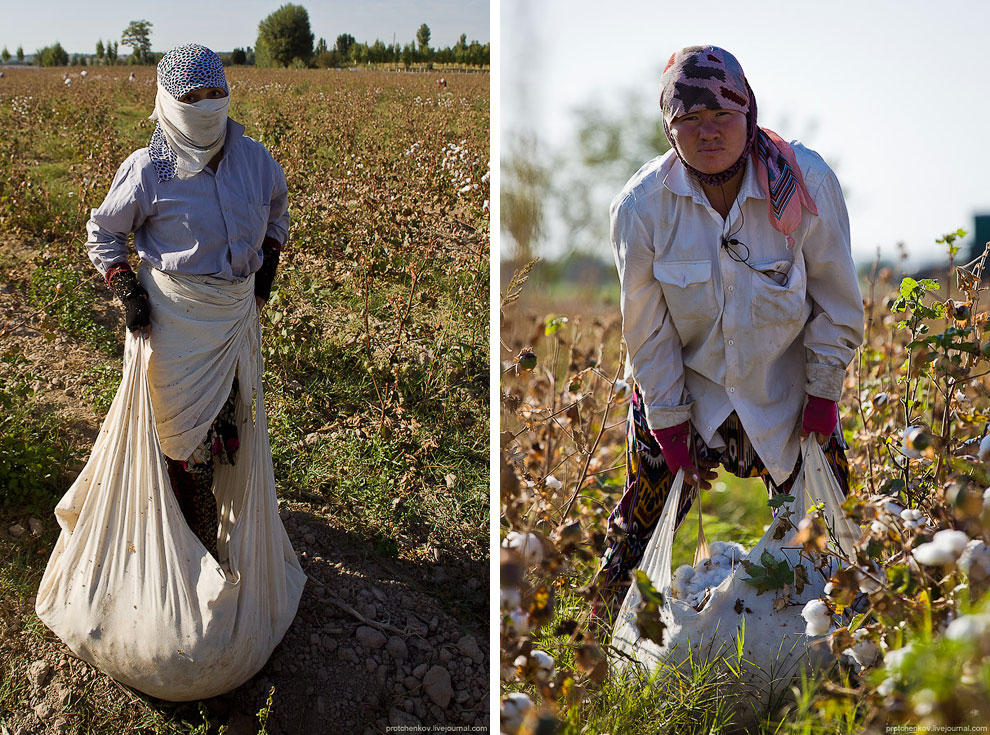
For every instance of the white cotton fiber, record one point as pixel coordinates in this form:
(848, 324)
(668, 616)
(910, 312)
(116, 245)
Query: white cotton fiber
(691, 584)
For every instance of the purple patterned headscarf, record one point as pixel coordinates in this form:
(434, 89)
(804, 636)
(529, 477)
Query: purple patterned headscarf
(710, 78)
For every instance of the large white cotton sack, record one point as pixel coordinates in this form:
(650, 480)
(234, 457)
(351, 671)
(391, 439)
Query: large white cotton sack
(130, 589)
(775, 645)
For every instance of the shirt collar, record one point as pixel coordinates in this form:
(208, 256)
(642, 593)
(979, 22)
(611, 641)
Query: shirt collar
(234, 131)
(680, 182)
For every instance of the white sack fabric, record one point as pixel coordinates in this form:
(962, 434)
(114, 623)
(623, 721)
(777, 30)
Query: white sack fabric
(775, 644)
(129, 588)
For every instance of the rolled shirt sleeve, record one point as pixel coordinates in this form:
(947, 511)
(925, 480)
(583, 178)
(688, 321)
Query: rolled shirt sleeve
(122, 212)
(653, 343)
(835, 329)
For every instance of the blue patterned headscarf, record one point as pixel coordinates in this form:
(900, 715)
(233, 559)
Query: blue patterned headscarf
(180, 71)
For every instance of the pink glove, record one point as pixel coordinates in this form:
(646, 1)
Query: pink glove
(673, 443)
(821, 416)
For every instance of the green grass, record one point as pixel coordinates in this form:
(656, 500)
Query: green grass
(33, 447)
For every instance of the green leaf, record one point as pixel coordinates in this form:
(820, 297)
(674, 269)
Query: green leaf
(778, 500)
(908, 287)
(646, 588)
(773, 575)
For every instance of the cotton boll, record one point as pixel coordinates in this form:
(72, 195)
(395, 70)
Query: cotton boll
(734, 553)
(925, 702)
(969, 627)
(717, 547)
(894, 660)
(975, 558)
(933, 555)
(685, 572)
(944, 548)
(886, 505)
(545, 665)
(509, 598)
(553, 483)
(954, 541)
(513, 711)
(518, 620)
(911, 514)
(886, 687)
(528, 545)
(878, 527)
(984, 453)
(817, 617)
(865, 653)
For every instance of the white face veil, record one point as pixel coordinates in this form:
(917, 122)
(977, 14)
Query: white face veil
(187, 137)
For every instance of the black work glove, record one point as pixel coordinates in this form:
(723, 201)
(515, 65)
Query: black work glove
(137, 310)
(265, 275)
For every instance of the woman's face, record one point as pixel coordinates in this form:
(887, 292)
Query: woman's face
(202, 93)
(710, 140)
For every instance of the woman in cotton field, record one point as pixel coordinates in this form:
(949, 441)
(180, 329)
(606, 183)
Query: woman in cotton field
(209, 211)
(740, 304)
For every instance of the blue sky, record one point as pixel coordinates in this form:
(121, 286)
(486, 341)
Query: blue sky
(892, 93)
(225, 24)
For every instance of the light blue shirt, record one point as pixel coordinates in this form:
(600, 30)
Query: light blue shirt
(210, 224)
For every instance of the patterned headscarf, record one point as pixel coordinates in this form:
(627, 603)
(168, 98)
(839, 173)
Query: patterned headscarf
(180, 71)
(710, 78)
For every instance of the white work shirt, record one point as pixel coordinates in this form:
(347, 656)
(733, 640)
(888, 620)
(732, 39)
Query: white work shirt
(211, 224)
(707, 335)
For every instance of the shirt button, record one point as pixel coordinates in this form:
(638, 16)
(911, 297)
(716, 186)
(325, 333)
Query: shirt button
(709, 428)
(732, 390)
(731, 343)
(731, 288)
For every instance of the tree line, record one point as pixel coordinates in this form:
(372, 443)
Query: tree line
(284, 39)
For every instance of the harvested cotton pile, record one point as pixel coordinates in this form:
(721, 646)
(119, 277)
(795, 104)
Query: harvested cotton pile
(691, 584)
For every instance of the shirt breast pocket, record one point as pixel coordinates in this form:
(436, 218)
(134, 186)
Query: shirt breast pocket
(256, 216)
(779, 293)
(687, 289)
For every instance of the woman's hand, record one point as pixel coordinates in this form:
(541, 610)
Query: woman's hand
(260, 302)
(674, 443)
(821, 416)
(133, 297)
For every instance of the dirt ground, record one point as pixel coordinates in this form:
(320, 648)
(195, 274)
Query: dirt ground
(375, 645)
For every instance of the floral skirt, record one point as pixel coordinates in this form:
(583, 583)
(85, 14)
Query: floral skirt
(192, 479)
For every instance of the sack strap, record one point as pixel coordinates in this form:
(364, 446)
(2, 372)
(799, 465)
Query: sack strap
(701, 552)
